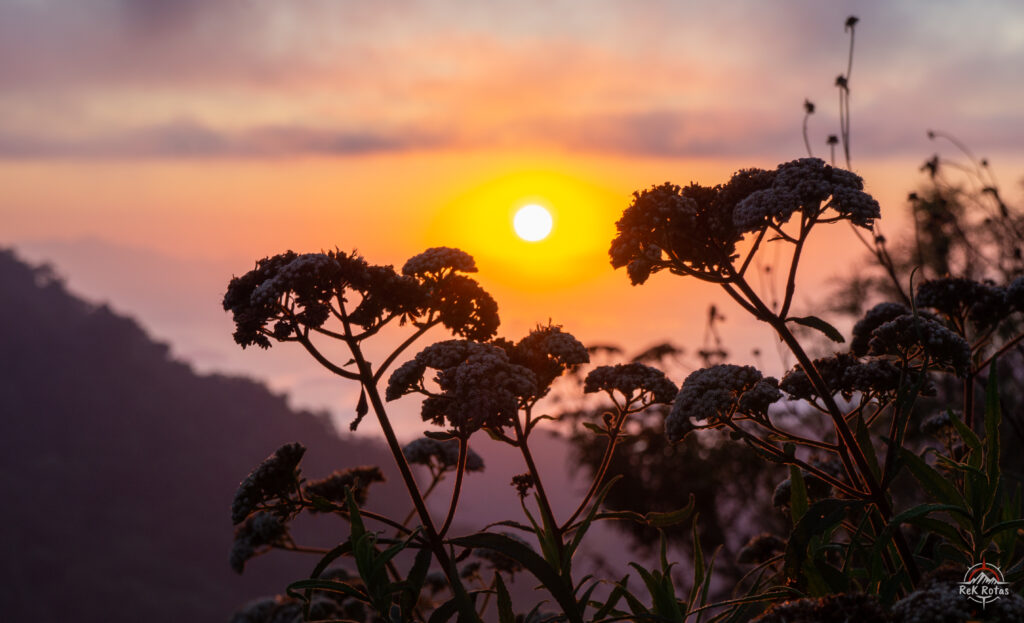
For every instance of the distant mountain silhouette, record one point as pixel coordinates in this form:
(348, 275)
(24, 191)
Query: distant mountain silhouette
(118, 465)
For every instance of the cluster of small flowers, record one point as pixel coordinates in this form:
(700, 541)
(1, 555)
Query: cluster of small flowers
(697, 228)
(760, 548)
(1015, 294)
(332, 488)
(324, 606)
(312, 281)
(260, 530)
(479, 386)
(523, 483)
(669, 223)
(983, 303)
(440, 455)
(829, 609)
(437, 261)
(714, 394)
(548, 352)
(803, 185)
(632, 380)
(937, 423)
(274, 478)
(465, 308)
(817, 489)
(874, 318)
(844, 374)
(906, 334)
(941, 602)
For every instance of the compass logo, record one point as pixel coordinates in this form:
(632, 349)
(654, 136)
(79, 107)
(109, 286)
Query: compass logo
(983, 583)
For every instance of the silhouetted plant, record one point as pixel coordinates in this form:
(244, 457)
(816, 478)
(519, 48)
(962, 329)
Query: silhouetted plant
(854, 530)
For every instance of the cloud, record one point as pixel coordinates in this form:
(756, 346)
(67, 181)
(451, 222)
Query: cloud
(190, 139)
(260, 78)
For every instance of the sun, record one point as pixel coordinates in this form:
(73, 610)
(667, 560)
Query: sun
(532, 223)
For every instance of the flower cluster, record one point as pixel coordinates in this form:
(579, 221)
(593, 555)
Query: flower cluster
(714, 394)
(874, 318)
(440, 455)
(333, 487)
(941, 602)
(670, 224)
(844, 374)
(437, 262)
(804, 185)
(632, 380)
(479, 386)
(275, 478)
(983, 303)
(695, 229)
(260, 531)
(292, 290)
(1015, 294)
(287, 292)
(838, 607)
(323, 606)
(548, 352)
(816, 488)
(908, 336)
(761, 548)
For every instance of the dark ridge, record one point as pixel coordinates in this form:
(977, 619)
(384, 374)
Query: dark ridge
(118, 465)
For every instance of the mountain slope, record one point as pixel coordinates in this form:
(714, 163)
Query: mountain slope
(118, 464)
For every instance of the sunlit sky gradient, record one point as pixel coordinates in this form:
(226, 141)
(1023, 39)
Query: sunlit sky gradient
(221, 132)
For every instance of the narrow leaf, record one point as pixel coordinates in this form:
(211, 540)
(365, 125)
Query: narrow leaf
(817, 323)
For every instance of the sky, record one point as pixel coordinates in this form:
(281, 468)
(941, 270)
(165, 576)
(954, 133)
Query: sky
(140, 138)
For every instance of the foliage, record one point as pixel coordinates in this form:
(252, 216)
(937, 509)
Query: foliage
(868, 512)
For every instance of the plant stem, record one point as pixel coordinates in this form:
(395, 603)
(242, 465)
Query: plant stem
(460, 471)
(599, 475)
(466, 611)
(848, 447)
(542, 497)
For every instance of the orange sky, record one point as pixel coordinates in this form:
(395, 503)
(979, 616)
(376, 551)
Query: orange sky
(223, 132)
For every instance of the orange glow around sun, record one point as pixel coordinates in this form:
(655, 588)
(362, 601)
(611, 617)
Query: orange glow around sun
(483, 222)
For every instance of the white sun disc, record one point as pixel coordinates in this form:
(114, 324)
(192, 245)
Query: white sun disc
(532, 223)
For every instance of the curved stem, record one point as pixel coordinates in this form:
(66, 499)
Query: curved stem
(601, 470)
(531, 466)
(303, 338)
(805, 228)
(459, 473)
(401, 347)
(848, 447)
(465, 605)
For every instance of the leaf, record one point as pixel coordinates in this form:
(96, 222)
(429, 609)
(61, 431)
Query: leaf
(447, 610)
(797, 494)
(594, 428)
(361, 410)
(993, 417)
(814, 322)
(438, 435)
(531, 561)
(328, 558)
(933, 482)
(867, 448)
(505, 614)
(970, 438)
(584, 525)
(819, 519)
(671, 518)
(333, 586)
(414, 583)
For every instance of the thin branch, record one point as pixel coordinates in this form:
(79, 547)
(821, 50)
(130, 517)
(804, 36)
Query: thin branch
(457, 490)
